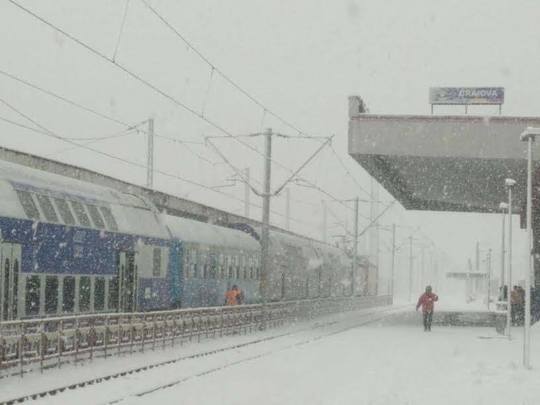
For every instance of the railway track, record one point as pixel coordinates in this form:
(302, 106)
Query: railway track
(372, 315)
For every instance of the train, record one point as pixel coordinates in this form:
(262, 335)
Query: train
(72, 247)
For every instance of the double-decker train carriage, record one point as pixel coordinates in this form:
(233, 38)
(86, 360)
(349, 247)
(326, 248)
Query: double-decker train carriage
(212, 259)
(304, 268)
(70, 246)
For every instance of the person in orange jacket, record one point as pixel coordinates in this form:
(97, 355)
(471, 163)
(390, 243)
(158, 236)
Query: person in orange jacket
(233, 296)
(427, 302)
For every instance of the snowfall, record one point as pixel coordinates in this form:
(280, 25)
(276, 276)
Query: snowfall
(353, 358)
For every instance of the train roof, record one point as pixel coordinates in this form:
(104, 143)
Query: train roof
(188, 230)
(132, 214)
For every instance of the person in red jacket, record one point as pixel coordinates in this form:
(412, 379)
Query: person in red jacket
(426, 301)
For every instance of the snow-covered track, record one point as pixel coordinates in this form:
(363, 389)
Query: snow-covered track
(368, 316)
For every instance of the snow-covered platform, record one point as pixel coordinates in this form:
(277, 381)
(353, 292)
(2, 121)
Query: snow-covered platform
(464, 318)
(370, 364)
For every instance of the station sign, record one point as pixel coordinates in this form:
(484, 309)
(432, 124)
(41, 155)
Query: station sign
(466, 95)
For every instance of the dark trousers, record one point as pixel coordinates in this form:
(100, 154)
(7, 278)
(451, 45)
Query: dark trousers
(428, 317)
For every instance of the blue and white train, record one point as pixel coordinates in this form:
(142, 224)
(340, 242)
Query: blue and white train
(67, 246)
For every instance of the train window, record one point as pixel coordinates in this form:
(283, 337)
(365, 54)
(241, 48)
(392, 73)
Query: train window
(28, 204)
(194, 270)
(33, 289)
(51, 295)
(231, 274)
(65, 212)
(80, 213)
(99, 293)
(95, 215)
(205, 271)
(113, 293)
(84, 294)
(47, 208)
(156, 262)
(109, 218)
(68, 289)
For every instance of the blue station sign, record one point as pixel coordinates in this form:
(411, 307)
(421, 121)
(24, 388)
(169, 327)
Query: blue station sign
(466, 95)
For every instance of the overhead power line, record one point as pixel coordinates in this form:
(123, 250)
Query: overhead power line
(218, 70)
(47, 132)
(99, 114)
(148, 84)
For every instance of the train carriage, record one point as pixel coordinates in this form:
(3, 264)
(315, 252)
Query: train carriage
(213, 258)
(72, 247)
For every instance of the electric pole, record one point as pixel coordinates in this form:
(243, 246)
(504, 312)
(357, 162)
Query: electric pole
(488, 264)
(410, 267)
(393, 259)
(355, 245)
(150, 155)
(288, 209)
(266, 212)
(246, 192)
(324, 221)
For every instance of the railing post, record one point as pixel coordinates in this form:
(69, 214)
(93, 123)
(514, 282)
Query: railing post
(42, 346)
(119, 337)
(154, 332)
(106, 336)
(21, 348)
(76, 343)
(60, 344)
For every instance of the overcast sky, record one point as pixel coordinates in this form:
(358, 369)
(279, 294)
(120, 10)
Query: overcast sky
(300, 58)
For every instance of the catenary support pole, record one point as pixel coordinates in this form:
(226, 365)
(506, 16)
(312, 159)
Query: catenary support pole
(150, 155)
(266, 213)
(410, 268)
(246, 192)
(392, 274)
(324, 222)
(355, 242)
(488, 284)
(288, 209)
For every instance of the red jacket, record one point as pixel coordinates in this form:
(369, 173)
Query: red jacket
(426, 301)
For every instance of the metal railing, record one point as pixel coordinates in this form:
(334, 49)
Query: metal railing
(50, 342)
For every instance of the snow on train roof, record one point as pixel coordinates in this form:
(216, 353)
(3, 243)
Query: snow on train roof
(189, 230)
(133, 214)
(36, 178)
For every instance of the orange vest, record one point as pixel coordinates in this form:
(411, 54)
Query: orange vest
(231, 297)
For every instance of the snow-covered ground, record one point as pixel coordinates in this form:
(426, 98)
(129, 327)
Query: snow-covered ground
(71, 374)
(370, 364)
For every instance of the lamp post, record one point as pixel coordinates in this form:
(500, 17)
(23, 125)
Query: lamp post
(504, 208)
(509, 183)
(529, 136)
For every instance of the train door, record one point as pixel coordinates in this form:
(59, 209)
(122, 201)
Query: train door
(10, 259)
(127, 282)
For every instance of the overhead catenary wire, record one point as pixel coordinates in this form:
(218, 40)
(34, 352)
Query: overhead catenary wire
(47, 132)
(150, 85)
(227, 78)
(99, 114)
(121, 31)
(185, 143)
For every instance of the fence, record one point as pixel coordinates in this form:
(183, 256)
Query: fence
(50, 342)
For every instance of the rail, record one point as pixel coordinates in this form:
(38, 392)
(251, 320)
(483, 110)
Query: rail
(51, 342)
